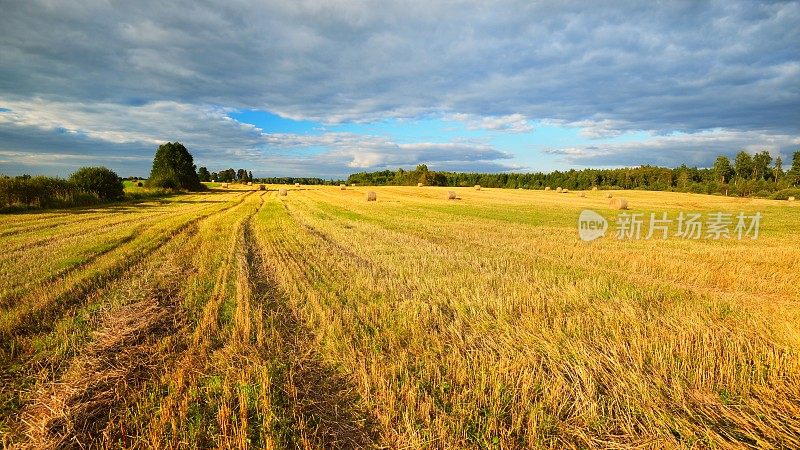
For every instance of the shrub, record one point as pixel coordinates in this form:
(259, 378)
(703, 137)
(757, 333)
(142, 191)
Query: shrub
(100, 181)
(41, 192)
(784, 194)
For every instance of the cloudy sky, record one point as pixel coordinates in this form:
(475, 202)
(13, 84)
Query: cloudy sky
(329, 88)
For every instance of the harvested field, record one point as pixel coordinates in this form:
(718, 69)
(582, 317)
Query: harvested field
(241, 319)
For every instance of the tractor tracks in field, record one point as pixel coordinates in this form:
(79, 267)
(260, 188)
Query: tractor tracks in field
(85, 406)
(321, 404)
(82, 288)
(327, 240)
(18, 366)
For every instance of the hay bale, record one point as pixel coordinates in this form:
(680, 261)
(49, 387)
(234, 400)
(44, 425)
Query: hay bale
(419, 184)
(343, 187)
(477, 187)
(225, 185)
(559, 190)
(565, 191)
(594, 188)
(139, 184)
(451, 195)
(582, 194)
(283, 192)
(297, 185)
(609, 195)
(372, 196)
(618, 203)
(547, 188)
(791, 199)
(261, 187)
(249, 183)
(354, 185)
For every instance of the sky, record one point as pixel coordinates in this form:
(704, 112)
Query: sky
(313, 88)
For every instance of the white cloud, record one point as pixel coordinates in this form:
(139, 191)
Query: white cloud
(80, 76)
(515, 123)
(126, 136)
(698, 149)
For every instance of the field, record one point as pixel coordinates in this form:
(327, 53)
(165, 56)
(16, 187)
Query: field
(241, 318)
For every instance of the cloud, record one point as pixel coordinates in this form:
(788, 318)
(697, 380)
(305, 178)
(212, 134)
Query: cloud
(682, 66)
(515, 123)
(135, 73)
(697, 149)
(58, 135)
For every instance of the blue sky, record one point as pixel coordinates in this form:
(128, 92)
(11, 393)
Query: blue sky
(307, 88)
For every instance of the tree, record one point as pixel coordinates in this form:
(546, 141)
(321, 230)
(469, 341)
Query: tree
(100, 181)
(203, 174)
(761, 162)
(794, 172)
(743, 165)
(777, 172)
(173, 168)
(723, 169)
(226, 176)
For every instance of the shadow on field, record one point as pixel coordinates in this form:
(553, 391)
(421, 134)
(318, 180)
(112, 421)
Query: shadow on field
(324, 405)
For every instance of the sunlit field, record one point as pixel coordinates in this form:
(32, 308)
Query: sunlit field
(241, 318)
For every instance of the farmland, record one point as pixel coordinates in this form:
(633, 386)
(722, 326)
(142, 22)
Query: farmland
(240, 318)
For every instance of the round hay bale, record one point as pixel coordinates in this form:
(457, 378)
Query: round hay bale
(261, 187)
(139, 184)
(559, 190)
(297, 185)
(419, 184)
(283, 192)
(594, 188)
(791, 199)
(249, 183)
(565, 191)
(354, 185)
(547, 188)
(372, 196)
(343, 187)
(609, 195)
(451, 195)
(618, 203)
(225, 185)
(477, 187)
(582, 194)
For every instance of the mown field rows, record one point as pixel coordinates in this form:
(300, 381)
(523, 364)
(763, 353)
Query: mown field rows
(242, 319)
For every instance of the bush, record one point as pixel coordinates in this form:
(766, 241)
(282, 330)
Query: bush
(41, 192)
(100, 181)
(763, 194)
(784, 194)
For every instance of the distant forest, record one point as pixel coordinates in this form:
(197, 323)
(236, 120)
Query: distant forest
(747, 175)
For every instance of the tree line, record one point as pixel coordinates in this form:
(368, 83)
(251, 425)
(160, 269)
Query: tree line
(757, 175)
(245, 176)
